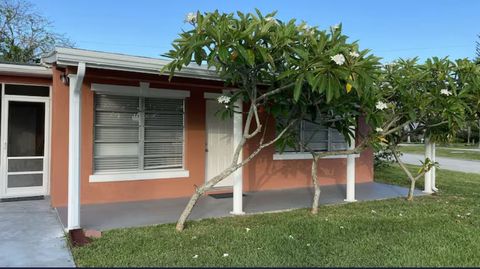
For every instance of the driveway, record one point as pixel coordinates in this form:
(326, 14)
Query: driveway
(445, 163)
(31, 235)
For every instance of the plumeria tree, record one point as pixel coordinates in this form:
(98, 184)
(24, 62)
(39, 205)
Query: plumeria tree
(273, 64)
(424, 98)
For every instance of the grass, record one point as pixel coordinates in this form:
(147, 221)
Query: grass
(440, 230)
(444, 152)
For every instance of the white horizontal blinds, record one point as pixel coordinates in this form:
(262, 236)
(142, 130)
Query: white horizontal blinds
(322, 138)
(319, 138)
(315, 136)
(138, 133)
(337, 141)
(164, 124)
(116, 134)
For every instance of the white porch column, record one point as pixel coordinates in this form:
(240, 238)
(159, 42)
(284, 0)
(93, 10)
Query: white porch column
(74, 139)
(350, 196)
(428, 175)
(238, 174)
(433, 175)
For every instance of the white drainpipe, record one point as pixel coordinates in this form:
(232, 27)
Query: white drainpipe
(238, 174)
(74, 140)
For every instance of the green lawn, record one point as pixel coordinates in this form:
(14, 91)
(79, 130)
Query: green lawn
(440, 230)
(444, 152)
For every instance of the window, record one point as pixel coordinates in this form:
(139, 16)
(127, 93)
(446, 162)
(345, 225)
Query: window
(138, 133)
(319, 138)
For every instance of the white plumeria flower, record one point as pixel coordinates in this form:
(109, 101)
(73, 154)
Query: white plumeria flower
(223, 99)
(373, 211)
(308, 244)
(354, 54)
(290, 236)
(381, 105)
(341, 227)
(191, 17)
(269, 19)
(195, 256)
(338, 59)
(225, 254)
(378, 130)
(247, 229)
(445, 92)
(401, 215)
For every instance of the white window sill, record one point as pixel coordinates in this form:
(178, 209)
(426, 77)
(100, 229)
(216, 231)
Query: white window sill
(307, 156)
(140, 175)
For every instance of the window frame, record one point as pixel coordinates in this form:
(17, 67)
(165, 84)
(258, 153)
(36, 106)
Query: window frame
(142, 93)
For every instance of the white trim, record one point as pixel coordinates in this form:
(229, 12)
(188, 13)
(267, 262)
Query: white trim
(143, 90)
(121, 62)
(139, 175)
(211, 95)
(306, 156)
(25, 70)
(215, 95)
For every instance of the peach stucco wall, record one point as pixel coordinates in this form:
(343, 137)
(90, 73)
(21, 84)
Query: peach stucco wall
(262, 174)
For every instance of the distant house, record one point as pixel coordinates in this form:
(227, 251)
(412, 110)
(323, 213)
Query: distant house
(88, 127)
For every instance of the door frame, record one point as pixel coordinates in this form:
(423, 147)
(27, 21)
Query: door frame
(212, 97)
(6, 98)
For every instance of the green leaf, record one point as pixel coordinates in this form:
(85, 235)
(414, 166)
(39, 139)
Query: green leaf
(250, 57)
(298, 88)
(223, 54)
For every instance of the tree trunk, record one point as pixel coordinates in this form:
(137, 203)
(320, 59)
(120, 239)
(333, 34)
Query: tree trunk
(469, 131)
(200, 191)
(411, 190)
(316, 185)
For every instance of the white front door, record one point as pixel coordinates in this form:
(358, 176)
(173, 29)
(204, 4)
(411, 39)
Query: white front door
(24, 146)
(219, 143)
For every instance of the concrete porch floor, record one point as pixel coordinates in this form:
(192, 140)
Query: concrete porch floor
(133, 214)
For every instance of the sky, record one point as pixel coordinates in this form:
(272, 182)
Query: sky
(391, 29)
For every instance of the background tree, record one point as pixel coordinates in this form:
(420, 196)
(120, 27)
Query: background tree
(429, 98)
(477, 50)
(273, 64)
(25, 34)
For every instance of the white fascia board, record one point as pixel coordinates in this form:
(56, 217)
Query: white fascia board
(25, 70)
(122, 62)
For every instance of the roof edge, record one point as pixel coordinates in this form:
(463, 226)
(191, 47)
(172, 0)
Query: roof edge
(121, 62)
(25, 70)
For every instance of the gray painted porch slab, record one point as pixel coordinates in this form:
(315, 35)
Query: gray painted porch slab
(133, 214)
(32, 236)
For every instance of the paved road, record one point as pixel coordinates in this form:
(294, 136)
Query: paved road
(32, 236)
(445, 163)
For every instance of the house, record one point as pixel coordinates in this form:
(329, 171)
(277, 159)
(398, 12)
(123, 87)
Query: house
(89, 127)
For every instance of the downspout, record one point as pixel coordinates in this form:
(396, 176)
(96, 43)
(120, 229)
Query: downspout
(74, 140)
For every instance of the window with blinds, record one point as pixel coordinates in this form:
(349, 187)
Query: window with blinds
(137, 133)
(318, 138)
